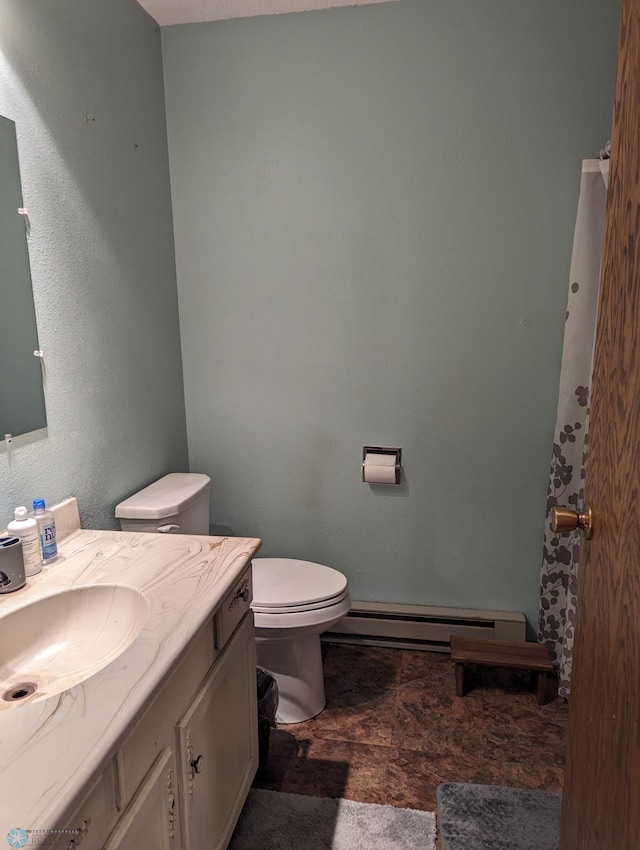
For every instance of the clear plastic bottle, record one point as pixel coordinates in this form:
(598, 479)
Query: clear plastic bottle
(46, 531)
(26, 528)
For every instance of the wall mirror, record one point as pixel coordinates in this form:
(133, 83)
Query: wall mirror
(21, 392)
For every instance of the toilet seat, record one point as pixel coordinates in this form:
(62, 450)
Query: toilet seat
(295, 609)
(289, 586)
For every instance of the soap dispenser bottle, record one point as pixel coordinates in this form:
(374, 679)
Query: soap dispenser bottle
(46, 531)
(27, 530)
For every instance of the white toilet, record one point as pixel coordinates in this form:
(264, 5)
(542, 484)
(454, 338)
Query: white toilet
(293, 601)
(178, 503)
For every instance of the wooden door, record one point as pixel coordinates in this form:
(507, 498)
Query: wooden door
(601, 800)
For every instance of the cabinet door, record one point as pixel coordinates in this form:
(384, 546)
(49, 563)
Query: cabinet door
(217, 746)
(97, 815)
(151, 820)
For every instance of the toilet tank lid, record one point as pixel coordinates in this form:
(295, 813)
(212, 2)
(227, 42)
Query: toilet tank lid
(165, 497)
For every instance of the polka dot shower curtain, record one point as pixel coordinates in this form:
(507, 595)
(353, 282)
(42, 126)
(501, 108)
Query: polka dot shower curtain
(559, 572)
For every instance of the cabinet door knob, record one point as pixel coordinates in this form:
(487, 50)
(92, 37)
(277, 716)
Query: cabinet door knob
(197, 763)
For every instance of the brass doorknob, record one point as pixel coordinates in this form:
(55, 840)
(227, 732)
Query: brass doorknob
(566, 519)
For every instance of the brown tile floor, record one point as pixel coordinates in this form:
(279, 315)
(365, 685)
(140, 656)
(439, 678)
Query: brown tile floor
(394, 729)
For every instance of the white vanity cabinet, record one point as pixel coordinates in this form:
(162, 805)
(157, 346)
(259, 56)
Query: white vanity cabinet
(182, 775)
(216, 756)
(152, 818)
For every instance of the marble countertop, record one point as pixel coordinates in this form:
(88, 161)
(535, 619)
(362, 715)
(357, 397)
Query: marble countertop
(50, 750)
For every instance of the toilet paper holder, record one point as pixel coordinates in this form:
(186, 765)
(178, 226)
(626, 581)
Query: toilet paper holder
(381, 459)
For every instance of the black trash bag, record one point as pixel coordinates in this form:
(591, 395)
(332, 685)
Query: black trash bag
(267, 708)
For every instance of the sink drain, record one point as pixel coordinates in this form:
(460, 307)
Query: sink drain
(19, 691)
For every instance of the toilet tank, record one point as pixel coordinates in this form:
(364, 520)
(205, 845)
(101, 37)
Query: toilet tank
(176, 504)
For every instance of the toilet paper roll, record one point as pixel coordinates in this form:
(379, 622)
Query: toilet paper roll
(380, 468)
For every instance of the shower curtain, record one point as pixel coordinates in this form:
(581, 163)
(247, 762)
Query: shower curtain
(559, 572)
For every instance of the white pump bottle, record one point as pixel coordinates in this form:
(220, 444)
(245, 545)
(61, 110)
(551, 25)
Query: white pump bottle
(27, 530)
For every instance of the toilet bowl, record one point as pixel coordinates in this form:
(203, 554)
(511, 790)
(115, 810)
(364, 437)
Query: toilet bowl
(293, 602)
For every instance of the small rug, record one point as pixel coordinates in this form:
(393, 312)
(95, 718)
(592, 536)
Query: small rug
(273, 820)
(491, 817)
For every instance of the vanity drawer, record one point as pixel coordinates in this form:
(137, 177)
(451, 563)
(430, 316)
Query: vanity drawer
(236, 604)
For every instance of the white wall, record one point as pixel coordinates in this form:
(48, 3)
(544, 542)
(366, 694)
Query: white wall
(82, 79)
(374, 209)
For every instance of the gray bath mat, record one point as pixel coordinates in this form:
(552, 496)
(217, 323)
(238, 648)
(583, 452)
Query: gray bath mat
(490, 817)
(273, 820)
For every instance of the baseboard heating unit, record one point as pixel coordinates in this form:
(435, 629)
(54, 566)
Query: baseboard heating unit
(422, 626)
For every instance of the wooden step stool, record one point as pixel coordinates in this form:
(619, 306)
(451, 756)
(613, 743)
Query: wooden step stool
(502, 653)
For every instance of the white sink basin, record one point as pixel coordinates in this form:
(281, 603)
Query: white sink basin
(59, 641)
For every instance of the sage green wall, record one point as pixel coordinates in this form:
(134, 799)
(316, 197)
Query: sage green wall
(82, 79)
(373, 211)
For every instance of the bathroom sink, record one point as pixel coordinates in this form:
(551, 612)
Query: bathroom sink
(61, 640)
